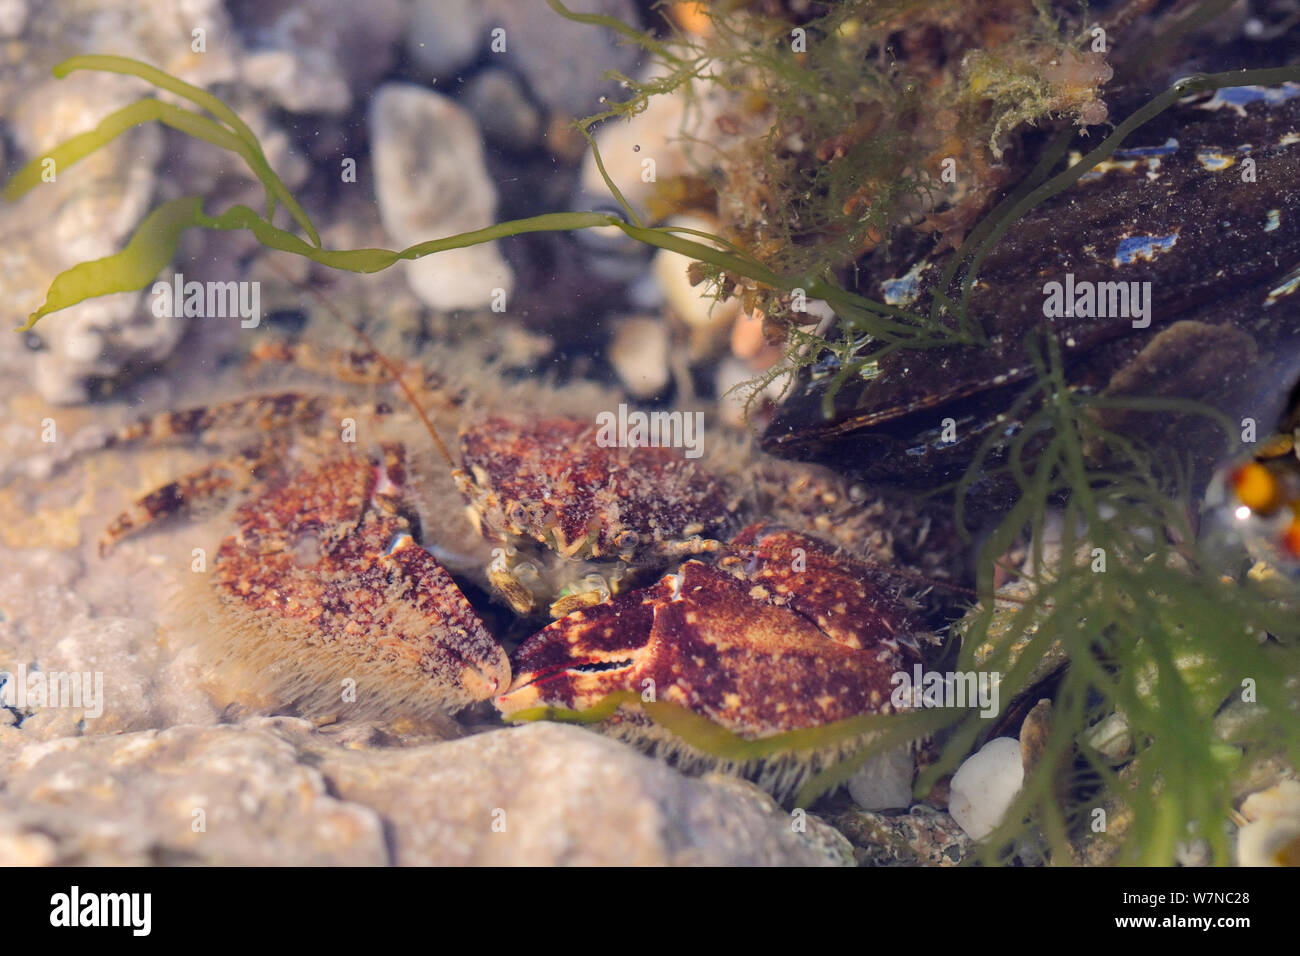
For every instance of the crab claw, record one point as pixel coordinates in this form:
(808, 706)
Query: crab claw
(457, 655)
(705, 641)
(331, 607)
(582, 657)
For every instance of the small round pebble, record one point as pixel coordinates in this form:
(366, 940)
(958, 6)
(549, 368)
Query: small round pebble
(985, 786)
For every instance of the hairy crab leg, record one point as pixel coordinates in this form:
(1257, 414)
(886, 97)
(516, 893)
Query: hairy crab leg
(213, 483)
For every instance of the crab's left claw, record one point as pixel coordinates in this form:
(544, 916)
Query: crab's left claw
(704, 641)
(586, 655)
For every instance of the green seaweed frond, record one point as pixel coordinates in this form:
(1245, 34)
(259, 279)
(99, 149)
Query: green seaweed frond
(1153, 629)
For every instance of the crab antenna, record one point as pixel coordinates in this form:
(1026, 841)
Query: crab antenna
(389, 366)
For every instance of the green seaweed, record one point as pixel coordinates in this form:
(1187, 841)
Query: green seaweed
(718, 742)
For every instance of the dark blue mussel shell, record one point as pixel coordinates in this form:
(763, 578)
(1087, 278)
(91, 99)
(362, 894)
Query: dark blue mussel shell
(1173, 208)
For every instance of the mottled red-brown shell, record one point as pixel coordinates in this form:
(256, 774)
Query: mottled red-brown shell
(853, 603)
(549, 479)
(758, 653)
(322, 582)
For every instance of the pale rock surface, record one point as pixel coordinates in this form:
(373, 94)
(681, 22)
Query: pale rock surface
(274, 790)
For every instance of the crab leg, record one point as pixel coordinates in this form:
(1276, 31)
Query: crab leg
(252, 413)
(215, 482)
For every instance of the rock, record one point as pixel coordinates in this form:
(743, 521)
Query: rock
(214, 795)
(658, 134)
(158, 33)
(749, 342)
(1271, 842)
(502, 108)
(639, 353)
(564, 63)
(732, 384)
(1033, 734)
(996, 650)
(274, 790)
(923, 836)
(431, 183)
(885, 782)
(985, 785)
(99, 339)
(445, 35)
(1272, 837)
(48, 625)
(306, 81)
(1281, 799)
(86, 213)
(708, 320)
(1111, 738)
(563, 795)
(13, 17)
(682, 134)
(313, 56)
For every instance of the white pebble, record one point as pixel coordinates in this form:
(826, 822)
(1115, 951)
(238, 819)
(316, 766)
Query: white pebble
(985, 786)
(708, 319)
(639, 353)
(1271, 841)
(432, 182)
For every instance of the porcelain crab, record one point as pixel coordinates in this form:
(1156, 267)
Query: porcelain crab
(328, 599)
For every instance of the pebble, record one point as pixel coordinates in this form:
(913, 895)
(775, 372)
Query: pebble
(884, 782)
(733, 372)
(666, 133)
(431, 182)
(1033, 734)
(86, 213)
(563, 63)
(1111, 738)
(625, 144)
(503, 110)
(639, 353)
(13, 17)
(307, 81)
(750, 343)
(708, 320)
(444, 36)
(985, 785)
(1272, 837)
(314, 56)
(221, 795)
(923, 836)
